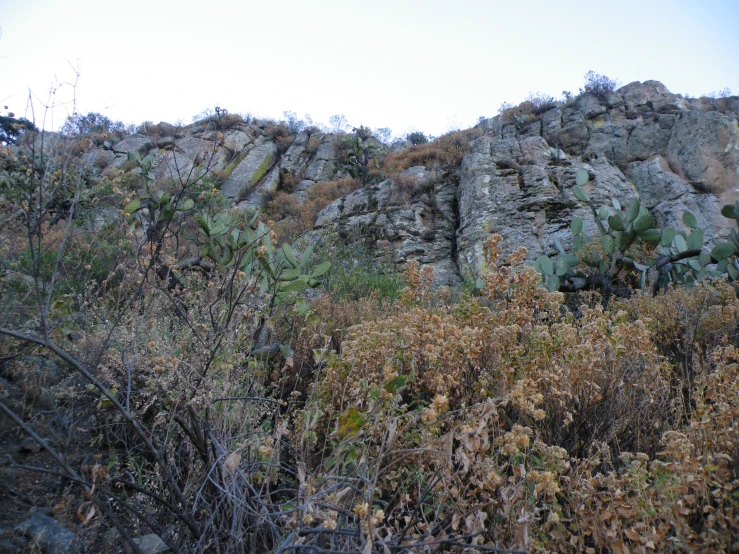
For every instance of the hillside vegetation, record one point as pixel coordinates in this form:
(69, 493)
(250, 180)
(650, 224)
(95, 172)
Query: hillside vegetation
(173, 364)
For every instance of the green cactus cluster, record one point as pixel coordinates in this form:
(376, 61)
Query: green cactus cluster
(359, 150)
(727, 253)
(629, 241)
(222, 240)
(226, 240)
(289, 271)
(555, 272)
(242, 241)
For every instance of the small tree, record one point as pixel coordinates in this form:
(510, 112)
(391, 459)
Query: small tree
(598, 84)
(293, 123)
(11, 128)
(93, 122)
(383, 134)
(723, 93)
(180, 246)
(504, 107)
(417, 137)
(338, 123)
(541, 101)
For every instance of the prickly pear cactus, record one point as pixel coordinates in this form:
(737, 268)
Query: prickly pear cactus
(727, 253)
(628, 242)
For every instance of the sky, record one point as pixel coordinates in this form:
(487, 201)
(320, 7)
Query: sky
(413, 65)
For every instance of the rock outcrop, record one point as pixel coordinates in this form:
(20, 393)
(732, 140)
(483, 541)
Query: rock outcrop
(246, 159)
(676, 154)
(415, 215)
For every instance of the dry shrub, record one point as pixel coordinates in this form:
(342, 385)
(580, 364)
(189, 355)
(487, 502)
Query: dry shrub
(322, 334)
(228, 121)
(288, 180)
(684, 498)
(283, 205)
(519, 346)
(78, 145)
(528, 111)
(524, 111)
(283, 143)
(412, 186)
(525, 426)
(274, 130)
(323, 193)
(688, 325)
(294, 218)
(290, 228)
(280, 135)
(448, 149)
(313, 143)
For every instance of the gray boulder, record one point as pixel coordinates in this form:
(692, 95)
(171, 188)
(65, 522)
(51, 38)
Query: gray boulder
(133, 144)
(98, 158)
(260, 195)
(326, 150)
(589, 105)
(650, 96)
(151, 544)
(704, 150)
(669, 196)
(250, 171)
(50, 535)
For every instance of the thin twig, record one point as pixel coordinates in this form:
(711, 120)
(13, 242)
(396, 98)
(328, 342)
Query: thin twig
(49, 344)
(71, 474)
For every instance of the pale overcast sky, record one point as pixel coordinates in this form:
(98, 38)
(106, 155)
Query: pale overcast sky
(427, 65)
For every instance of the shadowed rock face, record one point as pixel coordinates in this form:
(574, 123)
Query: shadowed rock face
(416, 217)
(676, 154)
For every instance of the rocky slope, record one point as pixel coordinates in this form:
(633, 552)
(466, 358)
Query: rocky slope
(676, 154)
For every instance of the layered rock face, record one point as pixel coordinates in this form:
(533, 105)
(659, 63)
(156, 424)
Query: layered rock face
(415, 215)
(675, 154)
(247, 159)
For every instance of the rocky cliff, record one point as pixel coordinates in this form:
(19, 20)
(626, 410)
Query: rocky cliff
(676, 154)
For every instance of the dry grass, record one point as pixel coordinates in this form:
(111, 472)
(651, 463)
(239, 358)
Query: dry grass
(313, 143)
(294, 218)
(447, 150)
(411, 186)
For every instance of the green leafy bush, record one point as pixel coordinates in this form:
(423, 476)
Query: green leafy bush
(416, 138)
(93, 122)
(11, 128)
